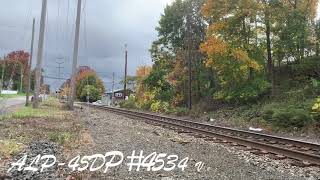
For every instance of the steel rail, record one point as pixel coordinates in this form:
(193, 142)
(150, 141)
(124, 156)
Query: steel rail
(210, 130)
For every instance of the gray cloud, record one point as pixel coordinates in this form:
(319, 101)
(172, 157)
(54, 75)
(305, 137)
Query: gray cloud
(106, 26)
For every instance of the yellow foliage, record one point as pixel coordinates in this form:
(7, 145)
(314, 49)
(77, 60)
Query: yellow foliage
(214, 46)
(143, 71)
(216, 27)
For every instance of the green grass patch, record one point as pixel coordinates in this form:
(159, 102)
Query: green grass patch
(60, 138)
(49, 108)
(28, 112)
(7, 96)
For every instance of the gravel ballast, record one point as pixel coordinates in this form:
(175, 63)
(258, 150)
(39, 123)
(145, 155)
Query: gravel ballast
(111, 132)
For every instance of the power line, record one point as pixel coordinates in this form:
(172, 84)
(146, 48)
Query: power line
(57, 78)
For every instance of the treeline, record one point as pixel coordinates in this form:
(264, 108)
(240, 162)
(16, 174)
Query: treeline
(236, 51)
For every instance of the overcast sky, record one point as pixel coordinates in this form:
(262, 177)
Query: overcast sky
(106, 25)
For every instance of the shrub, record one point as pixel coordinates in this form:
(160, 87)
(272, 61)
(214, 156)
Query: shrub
(307, 68)
(246, 93)
(60, 138)
(267, 114)
(160, 106)
(130, 103)
(287, 117)
(145, 100)
(316, 110)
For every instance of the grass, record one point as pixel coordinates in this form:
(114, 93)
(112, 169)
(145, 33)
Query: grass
(49, 122)
(28, 112)
(49, 108)
(7, 96)
(9, 147)
(60, 138)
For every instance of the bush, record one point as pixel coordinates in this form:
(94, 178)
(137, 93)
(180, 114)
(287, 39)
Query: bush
(130, 103)
(160, 106)
(60, 138)
(244, 94)
(287, 117)
(316, 110)
(267, 114)
(308, 67)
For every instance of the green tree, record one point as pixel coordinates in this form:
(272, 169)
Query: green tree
(90, 93)
(88, 78)
(181, 30)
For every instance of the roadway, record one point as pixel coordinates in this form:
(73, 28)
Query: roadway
(7, 104)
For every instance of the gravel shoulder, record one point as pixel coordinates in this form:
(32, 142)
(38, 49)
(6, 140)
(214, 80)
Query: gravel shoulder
(110, 132)
(87, 131)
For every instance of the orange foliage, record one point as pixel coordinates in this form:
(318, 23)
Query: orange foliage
(213, 45)
(143, 71)
(216, 27)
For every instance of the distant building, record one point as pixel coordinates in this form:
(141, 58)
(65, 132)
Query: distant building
(118, 94)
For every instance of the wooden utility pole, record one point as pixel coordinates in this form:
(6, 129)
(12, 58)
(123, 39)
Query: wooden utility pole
(189, 49)
(112, 96)
(125, 73)
(2, 75)
(40, 54)
(21, 77)
(75, 57)
(112, 83)
(30, 65)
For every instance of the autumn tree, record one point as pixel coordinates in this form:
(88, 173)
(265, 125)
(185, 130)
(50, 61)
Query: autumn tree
(141, 90)
(233, 49)
(89, 86)
(14, 68)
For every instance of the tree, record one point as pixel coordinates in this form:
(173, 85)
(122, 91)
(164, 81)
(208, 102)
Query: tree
(181, 30)
(87, 83)
(231, 46)
(85, 78)
(15, 71)
(90, 93)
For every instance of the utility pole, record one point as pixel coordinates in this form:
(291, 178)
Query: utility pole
(112, 83)
(30, 65)
(75, 57)
(125, 73)
(2, 75)
(112, 96)
(21, 77)
(40, 54)
(189, 46)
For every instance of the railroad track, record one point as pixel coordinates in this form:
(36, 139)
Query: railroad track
(306, 153)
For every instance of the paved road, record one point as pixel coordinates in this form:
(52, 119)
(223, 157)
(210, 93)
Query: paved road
(5, 104)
